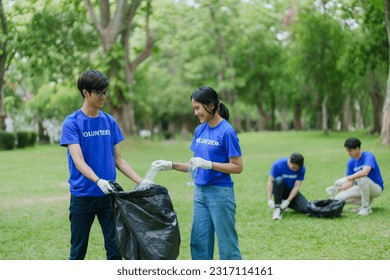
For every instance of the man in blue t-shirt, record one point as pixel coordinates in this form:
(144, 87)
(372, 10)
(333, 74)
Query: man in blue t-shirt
(363, 181)
(92, 138)
(284, 182)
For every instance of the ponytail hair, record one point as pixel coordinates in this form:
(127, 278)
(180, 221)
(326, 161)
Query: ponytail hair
(224, 111)
(207, 95)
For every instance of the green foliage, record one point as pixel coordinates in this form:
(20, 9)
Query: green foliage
(272, 56)
(12, 104)
(7, 140)
(61, 38)
(23, 138)
(55, 101)
(33, 138)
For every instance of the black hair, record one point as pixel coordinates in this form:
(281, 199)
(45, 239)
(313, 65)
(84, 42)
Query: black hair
(352, 143)
(92, 80)
(207, 95)
(297, 159)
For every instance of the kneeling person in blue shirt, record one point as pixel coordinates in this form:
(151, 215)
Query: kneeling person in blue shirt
(284, 182)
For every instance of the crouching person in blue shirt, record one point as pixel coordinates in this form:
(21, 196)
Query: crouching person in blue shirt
(284, 182)
(363, 180)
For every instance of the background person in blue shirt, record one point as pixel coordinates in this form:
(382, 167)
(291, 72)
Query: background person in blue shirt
(217, 154)
(284, 182)
(92, 138)
(363, 181)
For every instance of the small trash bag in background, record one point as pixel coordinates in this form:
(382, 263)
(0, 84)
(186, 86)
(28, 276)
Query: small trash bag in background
(146, 223)
(329, 208)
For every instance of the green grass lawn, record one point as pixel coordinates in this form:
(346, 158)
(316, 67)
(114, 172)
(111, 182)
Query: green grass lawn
(34, 200)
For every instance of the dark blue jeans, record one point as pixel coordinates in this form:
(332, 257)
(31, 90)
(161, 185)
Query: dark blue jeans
(82, 214)
(282, 191)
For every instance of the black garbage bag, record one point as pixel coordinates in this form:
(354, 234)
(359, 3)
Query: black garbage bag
(329, 208)
(146, 223)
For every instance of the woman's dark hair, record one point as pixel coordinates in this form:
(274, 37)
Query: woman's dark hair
(92, 80)
(297, 159)
(207, 95)
(352, 143)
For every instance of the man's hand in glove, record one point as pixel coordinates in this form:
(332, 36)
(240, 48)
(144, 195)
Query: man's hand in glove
(104, 185)
(284, 204)
(271, 203)
(340, 181)
(332, 190)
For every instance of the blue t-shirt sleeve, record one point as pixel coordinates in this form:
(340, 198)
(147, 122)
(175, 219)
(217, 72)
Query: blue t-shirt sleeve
(232, 143)
(301, 175)
(369, 160)
(118, 135)
(350, 167)
(69, 133)
(275, 170)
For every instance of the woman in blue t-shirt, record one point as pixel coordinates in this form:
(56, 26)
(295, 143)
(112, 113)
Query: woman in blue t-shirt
(217, 154)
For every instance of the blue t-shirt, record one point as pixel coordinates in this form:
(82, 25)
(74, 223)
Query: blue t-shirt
(97, 137)
(367, 159)
(280, 169)
(216, 144)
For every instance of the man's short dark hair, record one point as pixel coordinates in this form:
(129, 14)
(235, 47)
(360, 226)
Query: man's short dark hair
(352, 143)
(92, 80)
(297, 158)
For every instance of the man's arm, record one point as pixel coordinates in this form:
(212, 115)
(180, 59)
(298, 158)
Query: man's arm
(295, 190)
(81, 165)
(351, 178)
(270, 185)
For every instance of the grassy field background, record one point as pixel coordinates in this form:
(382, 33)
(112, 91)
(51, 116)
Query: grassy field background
(34, 200)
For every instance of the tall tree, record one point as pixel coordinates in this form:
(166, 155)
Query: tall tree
(320, 40)
(116, 27)
(385, 132)
(6, 55)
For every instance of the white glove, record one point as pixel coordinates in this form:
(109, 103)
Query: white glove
(284, 204)
(341, 181)
(162, 165)
(332, 190)
(104, 185)
(271, 203)
(197, 162)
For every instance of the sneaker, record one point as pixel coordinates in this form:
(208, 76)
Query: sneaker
(365, 211)
(277, 215)
(355, 210)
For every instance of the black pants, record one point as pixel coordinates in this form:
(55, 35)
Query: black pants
(282, 191)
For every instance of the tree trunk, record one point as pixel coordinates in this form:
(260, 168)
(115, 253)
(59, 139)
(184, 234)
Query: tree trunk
(248, 122)
(110, 29)
(298, 117)
(377, 105)
(2, 112)
(261, 124)
(347, 120)
(283, 122)
(359, 121)
(385, 132)
(324, 111)
(377, 99)
(3, 62)
(124, 115)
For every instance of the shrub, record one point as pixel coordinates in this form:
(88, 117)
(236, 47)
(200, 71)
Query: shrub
(7, 140)
(33, 138)
(23, 138)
